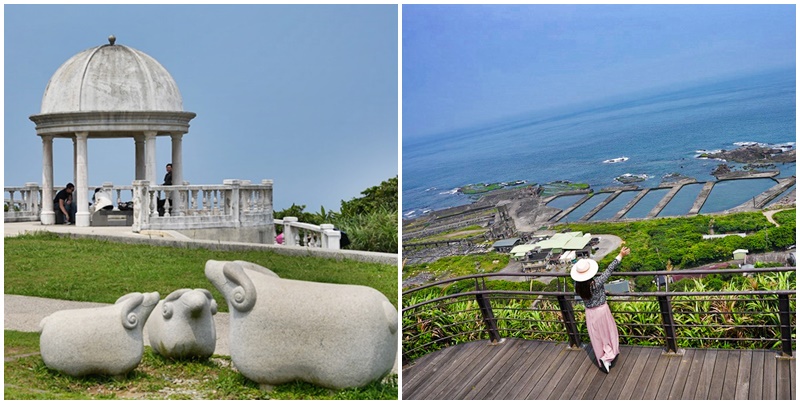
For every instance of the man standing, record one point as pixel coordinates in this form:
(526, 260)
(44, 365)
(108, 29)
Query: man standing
(167, 181)
(64, 206)
(168, 175)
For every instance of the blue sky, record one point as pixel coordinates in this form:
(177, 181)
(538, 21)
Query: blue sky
(470, 64)
(304, 95)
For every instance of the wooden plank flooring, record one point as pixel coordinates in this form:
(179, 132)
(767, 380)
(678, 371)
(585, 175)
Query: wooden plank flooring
(541, 370)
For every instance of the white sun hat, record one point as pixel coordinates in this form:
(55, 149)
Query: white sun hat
(584, 269)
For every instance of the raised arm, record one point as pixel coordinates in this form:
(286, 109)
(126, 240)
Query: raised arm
(602, 278)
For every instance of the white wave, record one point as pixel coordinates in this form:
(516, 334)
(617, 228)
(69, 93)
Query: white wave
(430, 189)
(450, 192)
(615, 160)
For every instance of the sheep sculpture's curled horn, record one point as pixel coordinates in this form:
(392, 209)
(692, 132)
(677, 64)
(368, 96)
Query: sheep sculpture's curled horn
(282, 330)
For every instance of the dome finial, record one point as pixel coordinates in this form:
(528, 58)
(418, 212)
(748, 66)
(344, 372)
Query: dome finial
(111, 39)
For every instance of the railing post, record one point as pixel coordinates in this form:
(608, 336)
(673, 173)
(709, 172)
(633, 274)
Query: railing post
(141, 205)
(232, 201)
(786, 325)
(330, 237)
(33, 198)
(569, 321)
(668, 323)
(288, 230)
(486, 311)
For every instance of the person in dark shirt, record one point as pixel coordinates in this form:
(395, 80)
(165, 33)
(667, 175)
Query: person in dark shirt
(167, 181)
(168, 175)
(64, 205)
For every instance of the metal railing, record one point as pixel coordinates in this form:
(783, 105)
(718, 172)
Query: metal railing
(463, 309)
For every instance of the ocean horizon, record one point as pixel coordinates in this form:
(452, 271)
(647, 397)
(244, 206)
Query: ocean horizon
(650, 135)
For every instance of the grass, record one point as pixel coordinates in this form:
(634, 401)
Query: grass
(462, 233)
(454, 266)
(26, 377)
(48, 265)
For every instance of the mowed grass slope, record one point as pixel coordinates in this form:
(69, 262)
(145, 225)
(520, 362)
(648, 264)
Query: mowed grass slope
(46, 265)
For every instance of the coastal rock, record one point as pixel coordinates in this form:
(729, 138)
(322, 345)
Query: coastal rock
(182, 325)
(755, 153)
(97, 341)
(282, 330)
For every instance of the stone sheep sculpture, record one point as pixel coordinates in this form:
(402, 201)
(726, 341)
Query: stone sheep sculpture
(182, 325)
(281, 330)
(97, 341)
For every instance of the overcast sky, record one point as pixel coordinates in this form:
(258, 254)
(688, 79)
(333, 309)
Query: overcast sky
(304, 95)
(468, 64)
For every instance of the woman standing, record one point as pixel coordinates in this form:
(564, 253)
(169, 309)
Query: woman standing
(599, 321)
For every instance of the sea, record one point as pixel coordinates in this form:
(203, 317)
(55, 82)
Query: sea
(649, 135)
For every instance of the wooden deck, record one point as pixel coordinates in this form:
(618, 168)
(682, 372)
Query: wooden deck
(539, 370)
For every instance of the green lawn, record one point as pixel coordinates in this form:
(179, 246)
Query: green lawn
(46, 265)
(27, 378)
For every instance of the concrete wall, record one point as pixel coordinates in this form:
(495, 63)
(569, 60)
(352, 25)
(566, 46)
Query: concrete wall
(260, 235)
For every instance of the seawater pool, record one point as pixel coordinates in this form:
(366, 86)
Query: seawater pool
(580, 211)
(732, 193)
(683, 201)
(646, 204)
(614, 206)
(564, 202)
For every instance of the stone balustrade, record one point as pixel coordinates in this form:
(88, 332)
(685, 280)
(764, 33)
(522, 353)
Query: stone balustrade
(309, 235)
(234, 204)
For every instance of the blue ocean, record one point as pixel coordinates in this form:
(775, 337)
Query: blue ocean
(659, 133)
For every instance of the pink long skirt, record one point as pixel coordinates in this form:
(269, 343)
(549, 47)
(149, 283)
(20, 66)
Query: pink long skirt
(603, 333)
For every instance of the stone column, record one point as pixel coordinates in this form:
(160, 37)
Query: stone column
(150, 156)
(81, 195)
(48, 214)
(177, 159)
(74, 160)
(140, 169)
(177, 172)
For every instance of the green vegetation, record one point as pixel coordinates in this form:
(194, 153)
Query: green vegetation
(449, 267)
(48, 265)
(678, 241)
(558, 187)
(472, 189)
(369, 221)
(462, 233)
(717, 319)
(27, 378)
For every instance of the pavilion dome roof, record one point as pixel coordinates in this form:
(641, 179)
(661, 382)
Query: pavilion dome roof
(111, 78)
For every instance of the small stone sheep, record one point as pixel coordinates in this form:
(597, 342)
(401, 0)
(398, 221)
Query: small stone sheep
(281, 330)
(102, 341)
(182, 325)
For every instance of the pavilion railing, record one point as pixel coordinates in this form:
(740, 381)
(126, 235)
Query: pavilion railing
(463, 309)
(233, 204)
(24, 204)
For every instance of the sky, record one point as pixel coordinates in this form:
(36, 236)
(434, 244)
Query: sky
(471, 64)
(304, 95)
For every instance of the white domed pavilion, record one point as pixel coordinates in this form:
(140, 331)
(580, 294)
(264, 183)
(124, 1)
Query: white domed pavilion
(109, 91)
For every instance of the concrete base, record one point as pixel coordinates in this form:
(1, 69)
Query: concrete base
(83, 219)
(48, 218)
(112, 218)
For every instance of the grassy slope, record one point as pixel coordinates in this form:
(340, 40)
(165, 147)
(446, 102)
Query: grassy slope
(99, 271)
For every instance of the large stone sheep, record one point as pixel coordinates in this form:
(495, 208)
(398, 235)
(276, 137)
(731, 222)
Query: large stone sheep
(281, 330)
(103, 341)
(182, 325)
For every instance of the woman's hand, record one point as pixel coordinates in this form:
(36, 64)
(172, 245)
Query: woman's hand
(624, 251)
